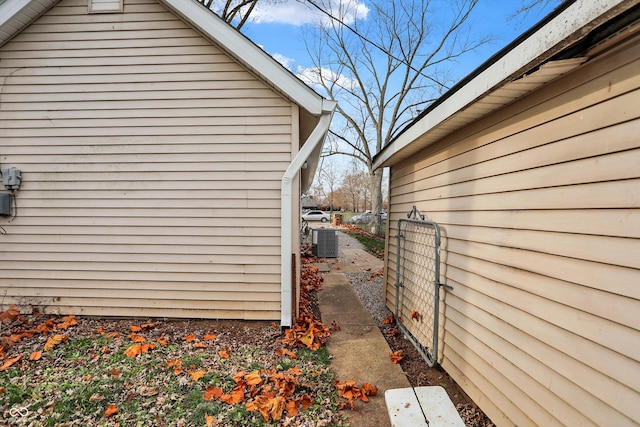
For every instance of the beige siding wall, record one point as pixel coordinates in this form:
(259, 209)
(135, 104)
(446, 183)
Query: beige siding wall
(539, 206)
(151, 166)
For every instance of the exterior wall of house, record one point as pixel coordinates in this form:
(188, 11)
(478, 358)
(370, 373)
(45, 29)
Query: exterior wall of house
(539, 208)
(151, 166)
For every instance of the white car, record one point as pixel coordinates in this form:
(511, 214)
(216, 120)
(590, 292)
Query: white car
(316, 216)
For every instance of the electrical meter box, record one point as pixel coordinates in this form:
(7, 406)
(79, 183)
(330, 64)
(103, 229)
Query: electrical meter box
(324, 243)
(5, 204)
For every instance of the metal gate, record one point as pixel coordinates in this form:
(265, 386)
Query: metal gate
(418, 284)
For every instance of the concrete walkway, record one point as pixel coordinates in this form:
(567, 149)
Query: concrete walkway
(360, 352)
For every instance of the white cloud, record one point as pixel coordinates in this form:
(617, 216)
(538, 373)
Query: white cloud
(294, 12)
(284, 60)
(314, 76)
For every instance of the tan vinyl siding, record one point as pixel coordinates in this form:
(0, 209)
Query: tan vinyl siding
(151, 166)
(539, 209)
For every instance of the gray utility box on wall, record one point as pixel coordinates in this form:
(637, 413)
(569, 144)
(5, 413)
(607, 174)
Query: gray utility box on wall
(324, 243)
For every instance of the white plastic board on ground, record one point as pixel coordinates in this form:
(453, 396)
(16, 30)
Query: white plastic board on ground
(421, 407)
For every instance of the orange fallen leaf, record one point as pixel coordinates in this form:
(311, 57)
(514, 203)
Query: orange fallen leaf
(101, 330)
(285, 352)
(212, 392)
(162, 341)
(209, 419)
(224, 353)
(137, 338)
(11, 314)
(396, 356)
(196, 375)
(176, 365)
(305, 402)
(67, 322)
(199, 345)
(36, 355)
(110, 411)
(9, 362)
(389, 319)
(189, 338)
(52, 342)
(135, 328)
(253, 378)
(133, 350)
(209, 337)
(415, 315)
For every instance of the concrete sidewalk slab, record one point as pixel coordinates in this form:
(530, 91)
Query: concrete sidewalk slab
(360, 352)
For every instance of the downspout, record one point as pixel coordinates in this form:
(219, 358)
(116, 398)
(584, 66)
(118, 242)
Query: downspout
(286, 216)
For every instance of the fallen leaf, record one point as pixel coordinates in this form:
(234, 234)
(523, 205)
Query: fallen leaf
(369, 389)
(9, 362)
(135, 328)
(67, 322)
(253, 378)
(189, 338)
(36, 355)
(209, 337)
(101, 330)
(133, 350)
(115, 373)
(415, 315)
(11, 314)
(224, 353)
(199, 345)
(52, 342)
(110, 411)
(305, 402)
(162, 341)
(137, 338)
(209, 419)
(285, 352)
(212, 392)
(96, 397)
(396, 356)
(389, 319)
(176, 365)
(196, 375)
(147, 391)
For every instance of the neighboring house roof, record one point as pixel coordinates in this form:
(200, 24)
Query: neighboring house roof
(548, 50)
(15, 15)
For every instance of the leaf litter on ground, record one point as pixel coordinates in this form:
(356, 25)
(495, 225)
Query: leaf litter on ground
(69, 371)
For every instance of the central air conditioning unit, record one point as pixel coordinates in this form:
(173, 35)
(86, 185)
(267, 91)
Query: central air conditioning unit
(324, 243)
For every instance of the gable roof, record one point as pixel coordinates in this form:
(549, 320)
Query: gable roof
(553, 47)
(16, 15)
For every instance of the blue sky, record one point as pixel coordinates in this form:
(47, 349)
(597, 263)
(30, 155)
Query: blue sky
(279, 27)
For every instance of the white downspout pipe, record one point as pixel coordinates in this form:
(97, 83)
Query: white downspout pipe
(286, 215)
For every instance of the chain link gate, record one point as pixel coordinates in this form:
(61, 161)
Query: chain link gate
(418, 283)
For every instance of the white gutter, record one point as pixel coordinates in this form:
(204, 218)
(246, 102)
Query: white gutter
(286, 214)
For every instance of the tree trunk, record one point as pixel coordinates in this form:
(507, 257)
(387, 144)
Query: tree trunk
(376, 201)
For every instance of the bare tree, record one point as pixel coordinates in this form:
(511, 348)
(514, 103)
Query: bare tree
(386, 69)
(330, 178)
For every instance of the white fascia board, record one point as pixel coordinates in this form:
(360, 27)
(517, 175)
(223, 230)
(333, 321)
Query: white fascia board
(534, 50)
(247, 53)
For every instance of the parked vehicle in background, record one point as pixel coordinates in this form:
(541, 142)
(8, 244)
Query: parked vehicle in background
(364, 218)
(367, 218)
(316, 216)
